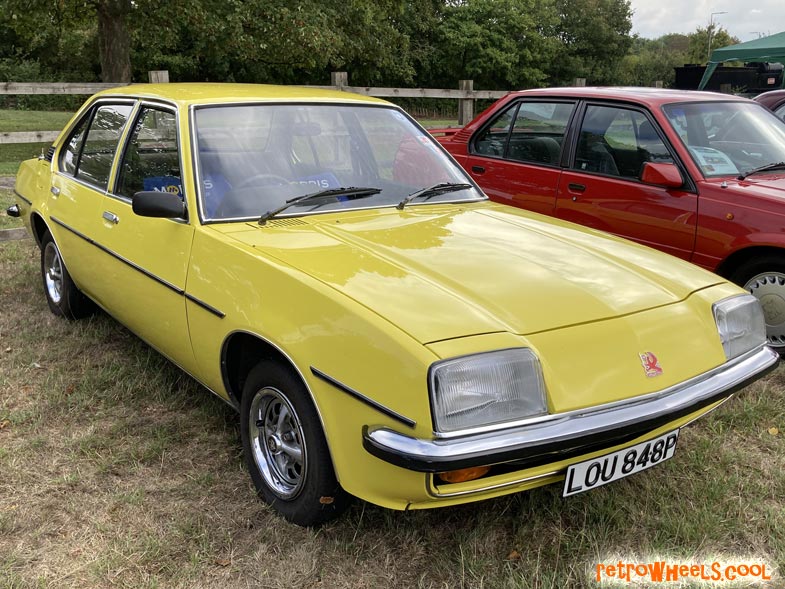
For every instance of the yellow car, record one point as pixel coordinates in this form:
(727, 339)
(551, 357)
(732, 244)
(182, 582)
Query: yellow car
(319, 262)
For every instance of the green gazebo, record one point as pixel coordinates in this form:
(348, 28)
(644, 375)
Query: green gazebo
(771, 49)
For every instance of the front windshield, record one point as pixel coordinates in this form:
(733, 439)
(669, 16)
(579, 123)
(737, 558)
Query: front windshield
(728, 138)
(253, 158)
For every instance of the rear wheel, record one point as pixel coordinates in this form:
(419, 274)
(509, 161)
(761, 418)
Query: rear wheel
(285, 449)
(765, 279)
(62, 295)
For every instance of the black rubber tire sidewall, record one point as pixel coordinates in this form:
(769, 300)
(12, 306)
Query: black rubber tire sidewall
(322, 498)
(73, 303)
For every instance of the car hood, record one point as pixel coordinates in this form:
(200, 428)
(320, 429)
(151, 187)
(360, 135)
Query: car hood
(766, 184)
(445, 271)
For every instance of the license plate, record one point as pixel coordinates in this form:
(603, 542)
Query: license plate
(597, 472)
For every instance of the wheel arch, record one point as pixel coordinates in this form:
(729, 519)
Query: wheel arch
(39, 227)
(737, 259)
(241, 351)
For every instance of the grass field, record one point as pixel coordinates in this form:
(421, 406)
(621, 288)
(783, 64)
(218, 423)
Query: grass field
(33, 120)
(117, 470)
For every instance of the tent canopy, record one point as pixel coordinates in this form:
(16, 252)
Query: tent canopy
(771, 49)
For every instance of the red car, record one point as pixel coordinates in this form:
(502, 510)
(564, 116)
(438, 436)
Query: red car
(774, 101)
(696, 174)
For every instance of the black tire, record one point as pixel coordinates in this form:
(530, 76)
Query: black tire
(764, 277)
(62, 295)
(278, 424)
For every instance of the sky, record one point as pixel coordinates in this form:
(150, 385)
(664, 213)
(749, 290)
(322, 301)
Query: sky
(746, 20)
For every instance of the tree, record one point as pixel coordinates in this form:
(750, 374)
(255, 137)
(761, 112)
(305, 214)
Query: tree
(114, 39)
(497, 43)
(649, 60)
(595, 37)
(699, 42)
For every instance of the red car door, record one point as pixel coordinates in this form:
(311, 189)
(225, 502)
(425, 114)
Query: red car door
(602, 186)
(516, 156)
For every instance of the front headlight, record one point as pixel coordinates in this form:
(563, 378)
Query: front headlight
(485, 389)
(740, 324)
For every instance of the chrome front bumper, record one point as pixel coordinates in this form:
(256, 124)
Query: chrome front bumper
(574, 433)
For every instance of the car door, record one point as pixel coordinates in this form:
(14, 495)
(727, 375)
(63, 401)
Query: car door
(144, 283)
(602, 187)
(516, 157)
(83, 166)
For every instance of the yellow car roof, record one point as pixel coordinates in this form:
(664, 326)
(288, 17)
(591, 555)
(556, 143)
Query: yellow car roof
(211, 93)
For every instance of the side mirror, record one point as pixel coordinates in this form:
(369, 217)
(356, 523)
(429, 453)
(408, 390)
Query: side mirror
(667, 175)
(155, 203)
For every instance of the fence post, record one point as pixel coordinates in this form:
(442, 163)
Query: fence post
(159, 76)
(658, 84)
(465, 105)
(579, 82)
(339, 79)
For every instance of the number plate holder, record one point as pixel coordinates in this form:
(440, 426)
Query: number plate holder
(590, 474)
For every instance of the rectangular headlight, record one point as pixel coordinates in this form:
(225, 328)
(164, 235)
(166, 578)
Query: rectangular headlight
(486, 389)
(740, 324)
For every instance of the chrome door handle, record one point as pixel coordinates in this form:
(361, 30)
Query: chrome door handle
(111, 217)
(55, 190)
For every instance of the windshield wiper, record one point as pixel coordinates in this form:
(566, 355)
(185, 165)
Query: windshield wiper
(431, 191)
(329, 195)
(774, 166)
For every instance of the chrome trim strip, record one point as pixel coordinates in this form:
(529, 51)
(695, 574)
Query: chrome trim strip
(138, 268)
(362, 398)
(205, 306)
(432, 489)
(23, 199)
(565, 432)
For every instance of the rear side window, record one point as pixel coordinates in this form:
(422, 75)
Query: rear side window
(70, 153)
(538, 132)
(100, 145)
(89, 152)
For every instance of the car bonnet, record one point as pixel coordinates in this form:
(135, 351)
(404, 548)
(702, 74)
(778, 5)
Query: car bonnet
(447, 271)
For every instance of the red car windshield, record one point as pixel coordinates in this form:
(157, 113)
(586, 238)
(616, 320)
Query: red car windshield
(728, 138)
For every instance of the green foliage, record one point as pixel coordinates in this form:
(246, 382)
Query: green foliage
(497, 43)
(501, 44)
(595, 36)
(650, 60)
(699, 42)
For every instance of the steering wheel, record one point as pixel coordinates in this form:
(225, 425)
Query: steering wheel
(262, 180)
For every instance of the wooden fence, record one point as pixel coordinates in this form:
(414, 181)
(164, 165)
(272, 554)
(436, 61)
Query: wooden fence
(465, 94)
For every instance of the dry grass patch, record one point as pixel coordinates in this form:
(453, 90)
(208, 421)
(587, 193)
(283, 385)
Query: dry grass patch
(120, 471)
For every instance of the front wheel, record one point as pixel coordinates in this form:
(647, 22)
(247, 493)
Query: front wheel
(285, 449)
(765, 279)
(62, 295)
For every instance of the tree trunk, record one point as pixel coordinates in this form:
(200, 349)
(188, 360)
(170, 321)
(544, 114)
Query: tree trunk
(114, 41)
